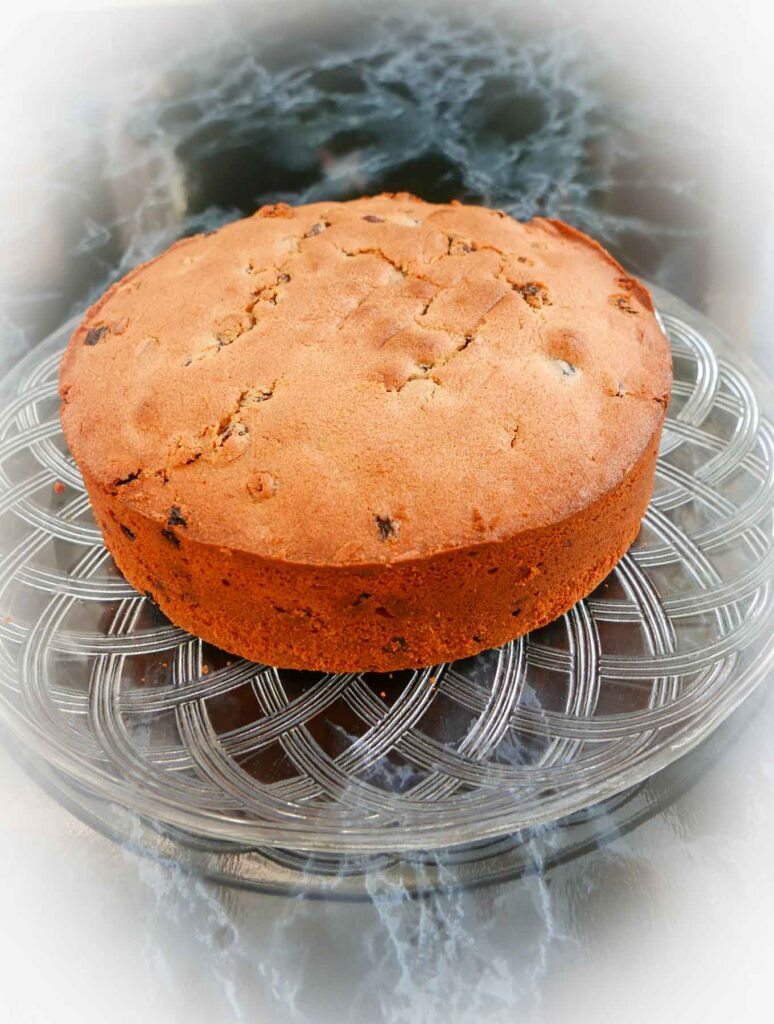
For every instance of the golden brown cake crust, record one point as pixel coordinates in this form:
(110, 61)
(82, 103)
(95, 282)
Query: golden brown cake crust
(298, 430)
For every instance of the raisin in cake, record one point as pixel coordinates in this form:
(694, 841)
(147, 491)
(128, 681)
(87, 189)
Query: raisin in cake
(369, 435)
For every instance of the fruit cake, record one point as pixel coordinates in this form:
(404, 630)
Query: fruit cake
(369, 435)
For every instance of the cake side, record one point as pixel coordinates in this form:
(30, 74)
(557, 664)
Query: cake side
(379, 617)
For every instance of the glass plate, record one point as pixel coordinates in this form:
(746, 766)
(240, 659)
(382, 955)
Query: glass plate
(123, 711)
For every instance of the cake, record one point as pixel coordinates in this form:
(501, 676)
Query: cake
(369, 435)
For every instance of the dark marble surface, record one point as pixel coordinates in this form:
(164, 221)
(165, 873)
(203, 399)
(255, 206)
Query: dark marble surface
(151, 123)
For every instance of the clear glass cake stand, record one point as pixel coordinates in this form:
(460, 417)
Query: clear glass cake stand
(456, 774)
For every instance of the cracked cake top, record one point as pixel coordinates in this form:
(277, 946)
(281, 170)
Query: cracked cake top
(367, 381)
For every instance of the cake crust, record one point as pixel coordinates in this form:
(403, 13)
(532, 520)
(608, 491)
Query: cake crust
(369, 435)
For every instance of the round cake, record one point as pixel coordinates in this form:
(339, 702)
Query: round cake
(369, 435)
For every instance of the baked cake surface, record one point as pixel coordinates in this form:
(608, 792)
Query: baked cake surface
(369, 435)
